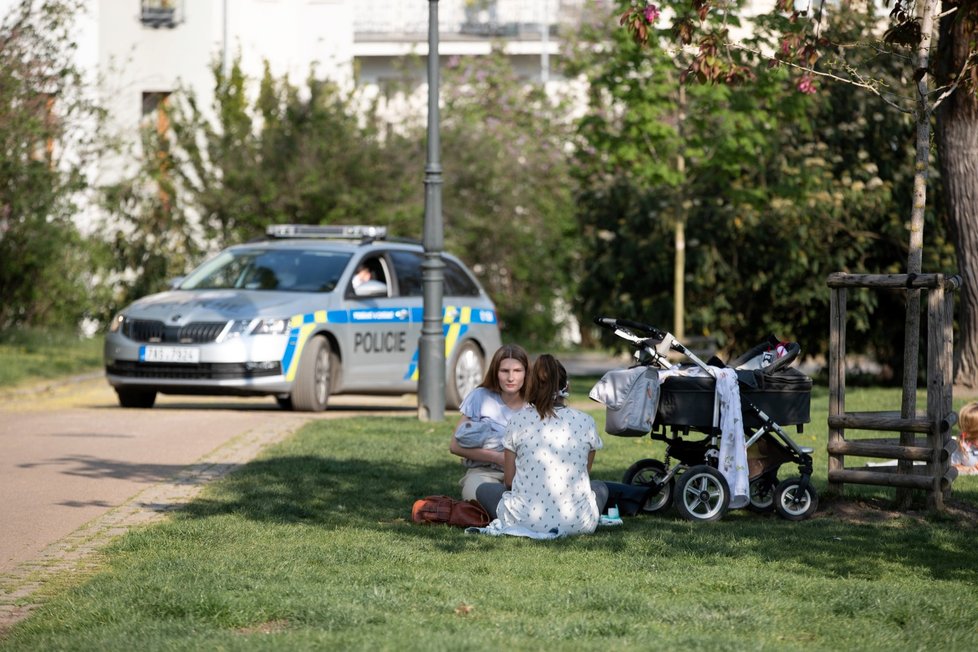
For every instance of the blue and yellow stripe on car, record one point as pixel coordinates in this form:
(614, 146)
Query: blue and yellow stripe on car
(300, 328)
(455, 321)
(458, 321)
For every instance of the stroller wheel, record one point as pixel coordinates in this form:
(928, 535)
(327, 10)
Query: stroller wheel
(702, 494)
(762, 493)
(648, 472)
(794, 504)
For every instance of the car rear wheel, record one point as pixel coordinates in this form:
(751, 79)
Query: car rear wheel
(466, 374)
(312, 383)
(136, 398)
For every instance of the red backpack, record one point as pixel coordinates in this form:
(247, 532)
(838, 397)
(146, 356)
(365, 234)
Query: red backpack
(444, 509)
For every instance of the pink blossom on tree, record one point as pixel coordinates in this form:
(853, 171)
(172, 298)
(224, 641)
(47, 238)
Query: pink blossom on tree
(651, 13)
(806, 85)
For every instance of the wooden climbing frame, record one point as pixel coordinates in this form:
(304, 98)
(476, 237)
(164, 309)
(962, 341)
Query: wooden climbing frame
(937, 475)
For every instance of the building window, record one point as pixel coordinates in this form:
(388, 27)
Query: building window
(161, 13)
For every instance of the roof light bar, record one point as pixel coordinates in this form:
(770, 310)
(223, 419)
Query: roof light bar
(344, 232)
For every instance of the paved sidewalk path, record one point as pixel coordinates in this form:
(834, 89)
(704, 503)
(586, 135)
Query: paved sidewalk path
(77, 552)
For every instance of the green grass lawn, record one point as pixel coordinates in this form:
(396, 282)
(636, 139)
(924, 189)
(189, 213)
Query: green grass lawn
(32, 356)
(311, 547)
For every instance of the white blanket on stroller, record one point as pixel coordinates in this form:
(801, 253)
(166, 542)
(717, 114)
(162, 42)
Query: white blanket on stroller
(733, 446)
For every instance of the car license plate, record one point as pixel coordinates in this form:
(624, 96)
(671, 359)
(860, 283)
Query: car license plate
(182, 354)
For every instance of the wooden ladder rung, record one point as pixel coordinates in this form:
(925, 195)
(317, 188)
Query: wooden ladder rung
(888, 448)
(886, 421)
(919, 479)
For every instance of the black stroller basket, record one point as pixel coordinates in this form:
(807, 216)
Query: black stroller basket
(784, 395)
(681, 411)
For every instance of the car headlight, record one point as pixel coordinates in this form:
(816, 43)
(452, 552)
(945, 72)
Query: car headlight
(270, 326)
(259, 326)
(116, 324)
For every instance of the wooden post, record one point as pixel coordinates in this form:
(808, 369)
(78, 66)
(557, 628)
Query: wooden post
(837, 379)
(935, 393)
(947, 370)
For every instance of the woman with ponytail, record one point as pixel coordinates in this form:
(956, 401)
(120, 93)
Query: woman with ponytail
(548, 451)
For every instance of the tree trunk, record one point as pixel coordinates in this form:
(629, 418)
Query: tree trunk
(679, 263)
(957, 143)
(911, 336)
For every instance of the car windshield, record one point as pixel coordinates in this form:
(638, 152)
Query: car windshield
(279, 270)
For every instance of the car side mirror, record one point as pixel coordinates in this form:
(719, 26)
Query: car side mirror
(371, 289)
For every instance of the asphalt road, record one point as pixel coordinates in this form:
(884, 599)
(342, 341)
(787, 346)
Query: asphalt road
(69, 455)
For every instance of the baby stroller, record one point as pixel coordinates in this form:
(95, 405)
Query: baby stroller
(681, 411)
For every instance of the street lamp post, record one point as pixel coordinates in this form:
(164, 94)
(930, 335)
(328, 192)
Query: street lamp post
(431, 353)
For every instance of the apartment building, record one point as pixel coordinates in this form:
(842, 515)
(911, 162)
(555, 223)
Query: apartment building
(138, 52)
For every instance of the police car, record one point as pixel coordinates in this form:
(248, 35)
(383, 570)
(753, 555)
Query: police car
(306, 313)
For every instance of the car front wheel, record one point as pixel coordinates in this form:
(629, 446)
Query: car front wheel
(466, 374)
(312, 382)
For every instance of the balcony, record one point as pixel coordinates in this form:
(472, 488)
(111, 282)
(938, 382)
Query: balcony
(484, 19)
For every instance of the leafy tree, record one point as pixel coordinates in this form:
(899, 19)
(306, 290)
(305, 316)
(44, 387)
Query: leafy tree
(771, 205)
(957, 143)
(214, 177)
(507, 195)
(813, 51)
(315, 160)
(46, 265)
(153, 237)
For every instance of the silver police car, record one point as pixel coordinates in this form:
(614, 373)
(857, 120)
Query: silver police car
(308, 312)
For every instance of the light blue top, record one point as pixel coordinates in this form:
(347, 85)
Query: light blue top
(488, 415)
(486, 405)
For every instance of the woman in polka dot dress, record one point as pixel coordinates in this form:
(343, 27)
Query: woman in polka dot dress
(548, 451)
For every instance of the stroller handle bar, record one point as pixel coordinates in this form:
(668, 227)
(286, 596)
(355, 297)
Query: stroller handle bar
(656, 345)
(615, 324)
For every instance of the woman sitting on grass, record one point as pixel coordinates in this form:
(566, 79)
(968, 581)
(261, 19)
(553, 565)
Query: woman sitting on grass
(548, 451)
(478, 438)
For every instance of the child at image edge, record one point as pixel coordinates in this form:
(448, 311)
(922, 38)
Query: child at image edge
(965, 459)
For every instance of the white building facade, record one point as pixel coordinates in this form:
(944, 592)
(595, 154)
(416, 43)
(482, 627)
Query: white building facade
(137, 52)
(147, 49)
(142, 50)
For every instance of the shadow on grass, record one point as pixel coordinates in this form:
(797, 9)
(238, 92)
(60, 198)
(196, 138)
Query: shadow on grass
(324, 491)
(342, 493)
(372, 495)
